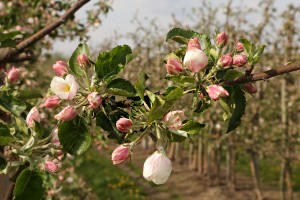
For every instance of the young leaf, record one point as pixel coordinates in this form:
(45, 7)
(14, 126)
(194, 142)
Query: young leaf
(110, 64)
(11, 104)
(121, 87)
(181, 35)
(5, 137)
(239, 110)
(161, 106)
(175, 136)
(140, 84)
(74, 67)
(29, 185)
(192, 127)
(106, 124)
(74, 136)
(181, 80)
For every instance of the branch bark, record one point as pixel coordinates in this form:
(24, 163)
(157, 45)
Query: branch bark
(9, 54)
(264, 75)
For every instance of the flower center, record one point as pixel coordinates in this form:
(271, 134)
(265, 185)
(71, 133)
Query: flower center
(67, 88)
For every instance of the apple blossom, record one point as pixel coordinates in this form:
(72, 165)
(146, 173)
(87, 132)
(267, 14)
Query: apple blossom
(195, 59)
(64, 88)
(216, 91)
(225, 61)
(174, 66)
(13, 75)
(60, 68)
(51, 166)
(239, 47)
(52, 102)
(157, 168)
(173, 119)
(55, 139)
(250, 88)
(83, 60)
(240, 60)
(221, 39)
(33, 116)
(124, 125)
(120, 154)
(94, 99)
(67, 114)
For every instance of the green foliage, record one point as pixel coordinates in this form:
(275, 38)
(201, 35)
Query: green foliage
(228, 74)
(9, 103)
(74, 136)
(140, 84)
(238, 109)
(2, 163)
(181, 80)
(105, 122)
(29, 185)
(192, 127)
(7, 39)
(121, 87)
(162, 105)
(110, 64)
(5, 136)
(252, 51)
(74, 67)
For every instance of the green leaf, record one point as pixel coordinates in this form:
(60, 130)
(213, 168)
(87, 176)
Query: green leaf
(5, 137)
(38, 130)
(110, 64)
(10, 35)
(2, 164)
(192, 127)
(181, 80)
(74, 67)
(161, 106)
(177, 135)
(121, 87)
(258, 53)
(29, 94)
(11, 104)
(249, 47)
(181, 35)
(74, 136)
(140, 84)
(228, 74)
(29, 185)
(239, 109)
(105, 123)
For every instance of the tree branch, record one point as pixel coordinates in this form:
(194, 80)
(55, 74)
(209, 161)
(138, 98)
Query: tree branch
(8, 53)
(264, 75)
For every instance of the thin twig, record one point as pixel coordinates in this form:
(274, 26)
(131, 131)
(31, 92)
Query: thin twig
(264, 75)
(8, 54)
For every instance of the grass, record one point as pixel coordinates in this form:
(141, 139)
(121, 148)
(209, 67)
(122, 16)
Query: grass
(107, 180)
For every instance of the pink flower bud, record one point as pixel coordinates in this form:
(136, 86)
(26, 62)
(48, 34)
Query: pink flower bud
(83, 60)
(52, 102)
(250, 88)
(221, 39)
(94, 99)
(13, 75)
(33, 116)
(51, 166)
(120, 154)
(124, 125)
(67, 114)
(173, 119)
(174, 66)
(225, 61)
(60, 68)
(216, 91)
(55, 139)
(240, 60)
(239, 47)
(195, 59)
(157, 168)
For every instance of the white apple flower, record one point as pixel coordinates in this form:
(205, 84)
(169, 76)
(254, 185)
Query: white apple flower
(64, 88)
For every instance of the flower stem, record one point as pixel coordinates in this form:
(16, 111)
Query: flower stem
(142, 135)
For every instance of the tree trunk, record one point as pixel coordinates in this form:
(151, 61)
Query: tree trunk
(230, 164)
(200, 156)
(255, 174)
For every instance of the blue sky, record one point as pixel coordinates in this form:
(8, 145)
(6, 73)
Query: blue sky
(119, 19)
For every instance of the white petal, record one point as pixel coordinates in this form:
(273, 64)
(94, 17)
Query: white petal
(162, 169)
(148, 166)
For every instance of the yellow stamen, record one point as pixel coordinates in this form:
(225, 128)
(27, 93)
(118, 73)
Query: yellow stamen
(67, 88)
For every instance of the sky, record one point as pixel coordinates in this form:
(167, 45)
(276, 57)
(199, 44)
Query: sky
(119, 19)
